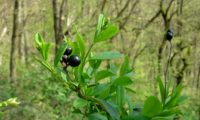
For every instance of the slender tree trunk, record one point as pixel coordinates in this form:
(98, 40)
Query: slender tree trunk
(57, 19)
(13, 42)
(21, 30)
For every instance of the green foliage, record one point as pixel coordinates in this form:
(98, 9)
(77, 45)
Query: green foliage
(102, 94)
(152, 107)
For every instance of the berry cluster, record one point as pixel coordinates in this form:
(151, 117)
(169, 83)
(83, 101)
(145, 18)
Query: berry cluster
(68, 59)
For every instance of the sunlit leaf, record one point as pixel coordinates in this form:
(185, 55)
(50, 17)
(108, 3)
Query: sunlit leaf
(107, 55)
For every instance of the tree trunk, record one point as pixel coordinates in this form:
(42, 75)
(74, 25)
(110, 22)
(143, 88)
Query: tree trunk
(21, 31)
(13, 42)
(57, 19)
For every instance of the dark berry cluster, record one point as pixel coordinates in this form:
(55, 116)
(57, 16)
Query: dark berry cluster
(169, 35)
(68, 59)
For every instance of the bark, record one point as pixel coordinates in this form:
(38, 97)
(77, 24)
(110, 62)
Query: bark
(21, 30)
(57, 21)
(13, 42)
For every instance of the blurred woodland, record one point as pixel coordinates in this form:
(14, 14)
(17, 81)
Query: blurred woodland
(142, 27)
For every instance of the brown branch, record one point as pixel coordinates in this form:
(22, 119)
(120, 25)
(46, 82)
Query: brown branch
(169, 6)
(171, 16)
(123, 9)
(152, 19)
(103, 5)
(138, 53)
(126, 18)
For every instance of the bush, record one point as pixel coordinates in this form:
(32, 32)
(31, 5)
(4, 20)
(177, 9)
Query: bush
(102, 92)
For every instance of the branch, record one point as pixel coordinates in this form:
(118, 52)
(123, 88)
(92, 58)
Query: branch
(103, 5)
(171, 16)
(152, 19)
(126, 18)
(169, 6)
(123, 9)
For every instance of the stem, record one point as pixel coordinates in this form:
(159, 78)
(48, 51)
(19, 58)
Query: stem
(166, 71)
(84, 59)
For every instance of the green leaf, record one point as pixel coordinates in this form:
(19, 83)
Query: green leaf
(107, 55)
(120, 95)
(81, 44)
(110, 31)
(60, 53)
(38, 39)
(103, 74)
(169, 112)
(175, 97)
(123, 81)
(76, 48)
(114, 114)
(100, 24)
(125, 66)
(97, 116)
(95, 64)
(45, 50)
(45, 64)
(152, 107)
(161, 88)
(79, 103)
(102, 90)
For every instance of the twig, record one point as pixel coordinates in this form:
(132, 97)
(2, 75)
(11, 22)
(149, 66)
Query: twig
(166, 71)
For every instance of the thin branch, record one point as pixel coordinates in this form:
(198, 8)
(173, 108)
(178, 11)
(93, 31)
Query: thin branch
(152, 19)
(169, 6)
(126, 18)
(123, 9)
(103, 5)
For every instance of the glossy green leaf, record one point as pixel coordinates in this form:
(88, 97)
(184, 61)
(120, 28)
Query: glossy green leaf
(45, 50)
(100, 24)
(95, 64)
(81, 44)
(107, 55)
(110, 31)
(161, 88)
(113, 112)
(76, 48)
(125, 66)
(123, 81)
(45, 64)
(60, 53)
(38, 39)
(152, 107)
(175, 97)
(103, 74)
(120, 96)
(102, 90)
(79, 103)
(169, 112)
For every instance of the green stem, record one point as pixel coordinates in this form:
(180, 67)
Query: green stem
(88, 52)
(166, 71)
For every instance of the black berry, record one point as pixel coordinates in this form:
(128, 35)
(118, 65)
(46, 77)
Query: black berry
(74, 60)
(68, 51)
(64, 59)
(169, 35)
